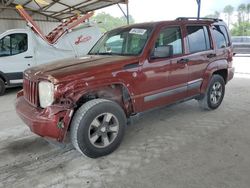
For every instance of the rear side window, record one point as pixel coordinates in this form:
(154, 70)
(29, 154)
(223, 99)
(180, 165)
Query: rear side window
(198, 39)
(220, 36)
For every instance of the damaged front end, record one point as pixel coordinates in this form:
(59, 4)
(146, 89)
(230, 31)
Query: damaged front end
(46, 116)
(51, 122)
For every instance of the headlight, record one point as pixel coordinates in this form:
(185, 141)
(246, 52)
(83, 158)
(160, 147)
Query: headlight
(46, 94)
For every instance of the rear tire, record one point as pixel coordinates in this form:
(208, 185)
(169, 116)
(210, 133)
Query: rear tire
(2, 87)
(98, 127)
(214, 94)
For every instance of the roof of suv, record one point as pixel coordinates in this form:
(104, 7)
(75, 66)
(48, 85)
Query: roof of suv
(177, 21)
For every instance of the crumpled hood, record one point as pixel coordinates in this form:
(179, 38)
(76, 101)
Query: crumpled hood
(68, 69)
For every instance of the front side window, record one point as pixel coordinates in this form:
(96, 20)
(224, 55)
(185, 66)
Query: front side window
(128, 41)
(5, 46)
(198, 39)
(13, 44)
(170, 38)
(19, 43)
(220, 36)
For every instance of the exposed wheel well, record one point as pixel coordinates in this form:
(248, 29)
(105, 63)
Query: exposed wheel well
(223, 73)
(115, 92)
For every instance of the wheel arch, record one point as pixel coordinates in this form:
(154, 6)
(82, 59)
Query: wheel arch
(217, 67)
(223, 73)
(116, 92)
(4, 78)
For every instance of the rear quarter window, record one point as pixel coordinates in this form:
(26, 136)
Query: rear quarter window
(220, 36)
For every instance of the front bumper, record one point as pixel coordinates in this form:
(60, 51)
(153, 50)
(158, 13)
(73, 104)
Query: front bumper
(51, 122)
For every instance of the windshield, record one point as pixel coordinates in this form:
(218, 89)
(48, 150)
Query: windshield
(129, 41)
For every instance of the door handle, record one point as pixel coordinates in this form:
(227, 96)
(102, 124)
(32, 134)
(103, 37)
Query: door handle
(211, 55)
(181, 61)
(28, 57)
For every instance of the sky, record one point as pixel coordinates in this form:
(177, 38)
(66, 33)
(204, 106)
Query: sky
(156, 10)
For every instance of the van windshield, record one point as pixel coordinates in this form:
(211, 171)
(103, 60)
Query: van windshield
(128, 41)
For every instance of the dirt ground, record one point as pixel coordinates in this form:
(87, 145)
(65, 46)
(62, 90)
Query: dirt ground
(175, 147)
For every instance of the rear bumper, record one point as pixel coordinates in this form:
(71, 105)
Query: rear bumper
(230, 73)
(52, 122)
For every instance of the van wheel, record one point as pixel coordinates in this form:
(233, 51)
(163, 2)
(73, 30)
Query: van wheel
(98, 127)
(214, 95)
(2, 87)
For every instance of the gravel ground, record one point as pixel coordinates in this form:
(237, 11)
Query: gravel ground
(175, 147)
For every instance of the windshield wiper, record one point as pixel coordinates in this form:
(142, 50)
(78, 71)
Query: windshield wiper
(102, 53)
(105, 53)
(110, 53)
(128, 54)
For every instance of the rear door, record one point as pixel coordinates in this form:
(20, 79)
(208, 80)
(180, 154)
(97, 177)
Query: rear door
(200, 55)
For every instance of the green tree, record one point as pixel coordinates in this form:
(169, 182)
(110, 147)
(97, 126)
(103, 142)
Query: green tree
(241, 13)
(248, 11)
(107, 22)
(216, 14)
(229, 11)
(241, 29)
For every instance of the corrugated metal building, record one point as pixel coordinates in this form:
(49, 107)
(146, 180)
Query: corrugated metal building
(48, 13)
(10, 19)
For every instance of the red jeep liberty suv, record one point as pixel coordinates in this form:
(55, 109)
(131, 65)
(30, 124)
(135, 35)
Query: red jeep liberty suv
(130, 70)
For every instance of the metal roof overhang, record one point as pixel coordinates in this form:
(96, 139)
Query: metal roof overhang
(57, 10)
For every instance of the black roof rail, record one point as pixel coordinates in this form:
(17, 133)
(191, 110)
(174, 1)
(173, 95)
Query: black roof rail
(195, 18)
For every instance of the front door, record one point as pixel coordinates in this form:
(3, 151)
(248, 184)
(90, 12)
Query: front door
(166, 72)
(15, 56)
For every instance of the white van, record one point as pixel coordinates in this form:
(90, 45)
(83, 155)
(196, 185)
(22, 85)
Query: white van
(23, 48)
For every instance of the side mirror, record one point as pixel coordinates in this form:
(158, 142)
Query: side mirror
(163, 52)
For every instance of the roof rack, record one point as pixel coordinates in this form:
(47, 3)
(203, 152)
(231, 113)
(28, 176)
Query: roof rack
(195, 18)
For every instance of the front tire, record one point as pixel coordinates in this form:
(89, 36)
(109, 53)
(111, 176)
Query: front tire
(98, 127)
(214, 94)
(2, 87)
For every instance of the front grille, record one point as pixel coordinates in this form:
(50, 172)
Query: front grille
(30, 89)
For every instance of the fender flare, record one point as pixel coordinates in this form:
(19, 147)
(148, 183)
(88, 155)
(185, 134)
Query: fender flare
(211, 68)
